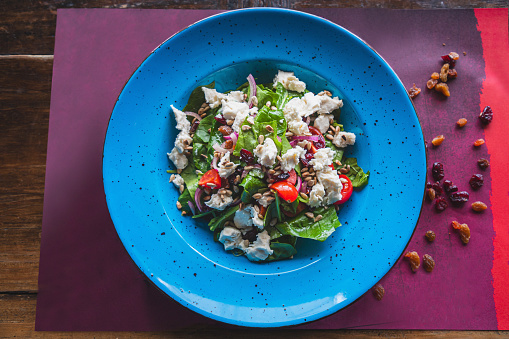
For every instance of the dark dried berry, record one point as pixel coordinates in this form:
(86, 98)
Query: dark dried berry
(320, 143)
(220, 119)
(246, 156)
(441, 204)
(438, 171)
(429, 184)
(449, 60)
(194, 126)
(281, 177)
(476, 181)
(459, 197)
(483, 163)
(428, 263)
(486, 115)
(430, 236)
(414, 259)
(438, 189)
(378, 292)
(449, 187)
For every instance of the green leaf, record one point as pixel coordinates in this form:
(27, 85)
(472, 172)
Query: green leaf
(190, 178)
(356, 174)
(270, 214)
(278, 209)
(184, 198)
(304, 227)
(218, 222)
(338, 155)
(202, 134)
(246, 140)
(267, 117)
(197, 98)
(281, 251)
(265, 94)
(215, 138)
(252, 183)
(199, 161)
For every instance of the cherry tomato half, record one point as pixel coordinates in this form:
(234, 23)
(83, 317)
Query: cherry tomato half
(286, 191)
(293, 177)
(210, 177)
(346, 191)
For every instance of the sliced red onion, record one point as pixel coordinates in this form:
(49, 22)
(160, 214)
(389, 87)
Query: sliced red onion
(214, 163)
(307, 137)
(294, 143)
(191, 206)
(234, 137)
(278, 138)
(197, 197)
(227, 137)
(252, 89)
(236, 202)
(304, 187)
(193, 115)
(218, 148)
(299, 184)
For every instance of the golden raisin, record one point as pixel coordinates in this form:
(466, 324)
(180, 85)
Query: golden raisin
(435, 76)
(464, 231)
(430, 193)
(479, 206)
(438, 140)
(428, 263)
(225, 130)
(414, 91)
(478, 142)
(451, 73)
(430, 236)
(228, 144)
(461, 122)
(378, 292)
(415, 261)
(443, 88)
(454, 55)
(431, 83)
(443, 72)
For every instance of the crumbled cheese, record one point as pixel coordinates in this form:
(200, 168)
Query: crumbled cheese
(178, 159)
(289, 81)
(316, 195)
(343, 139)
(333, 195)
(213, 97)
(239, 120)
(297, 108)
(231, 238)
(264, 201)
(224, 171)
(243, 220)
(219, 203)
(230, 109)
(328, 104)
(311, 104)
(322, 158)
(260, 248)
(178, 181)
(266, 153)
(235, 96)
(298, 127)
(322, 122)
(329, 178)
(182, 141)
(182, 123)
(291, 158)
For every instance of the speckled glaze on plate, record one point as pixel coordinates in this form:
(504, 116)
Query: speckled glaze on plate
(178, 254)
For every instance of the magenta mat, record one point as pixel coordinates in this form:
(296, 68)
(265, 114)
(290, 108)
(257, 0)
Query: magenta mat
(87, 280)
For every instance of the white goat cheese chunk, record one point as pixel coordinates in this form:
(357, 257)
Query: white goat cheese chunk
(178, 180)
(231, 238)
(260, 248)
(181, 118)
(289, 81)
(266, 153)
(213, 97)
(322, 158)
(223, 170)
(322, 122)
(178, 158)
(182, 141)
(230, 109)
(291, 158)
(219, 203)
(316, 195)
(343, 139)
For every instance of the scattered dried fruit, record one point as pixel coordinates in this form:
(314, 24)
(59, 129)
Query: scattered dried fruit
(464, 231)
(486, 115)
(479, 206)
(437, 171)
(415, 261)
(435, 76)
(476, 181)
(225, 130)
(443, 72)
(459, 197)
(428, 263)
(461, 122)
(438, 189)
(452, 74)
(414, 91)
(441, 204)
(430, 193)
(438, 140)
(430, 236)
(378, 292)
(431, 83)
(443, 88)
(483, 163)
(478, 142)
(449, 187)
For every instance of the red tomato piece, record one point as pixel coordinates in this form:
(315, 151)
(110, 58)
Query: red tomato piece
(346, 191)
(210, 177)
(286, 191)
(314, 130)
(293, 177)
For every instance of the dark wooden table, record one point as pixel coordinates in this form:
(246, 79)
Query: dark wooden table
(27, 35)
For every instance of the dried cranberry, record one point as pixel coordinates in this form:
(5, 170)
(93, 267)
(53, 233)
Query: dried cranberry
(320, 144)
(438, 171)
(441, 204)
(281, 177)
(429, 185)
(486, 115)
(231, 178)
(250, 235)
(220, 119)
(309, 156)
(246, 156)
(304, 162)
(447, 59)
(449, 187)
(476, 181)
(459, 197)
(438, 189)
(194, 126)
(483, 163)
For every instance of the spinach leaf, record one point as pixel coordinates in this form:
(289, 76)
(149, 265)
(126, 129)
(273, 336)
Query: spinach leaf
(200, 162)
(265, 94)
(280, 251)
(270, 214)
(246, 140)
(252, 183)
(356, 174)
(304, 227)
(184, 198)
(218, 222)
(215, 138)
(197, 98)
(190, 178)
(202, 134)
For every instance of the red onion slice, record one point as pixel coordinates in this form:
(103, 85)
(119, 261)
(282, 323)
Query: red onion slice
(252, 89)
(193, 115)
(214, 163)
(294, 143)
(191, 206)
(236, 202)
(218, 148)
(197, 197)
(307, 137)
(298, 186)
(304, 187)
(234, 137)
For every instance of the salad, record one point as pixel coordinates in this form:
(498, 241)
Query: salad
(264, 165)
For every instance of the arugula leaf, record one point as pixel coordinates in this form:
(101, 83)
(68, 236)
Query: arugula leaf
(280, 251)
(218, 222)
(356, 174)
(197, 98)
(304, 227)
(252, 183)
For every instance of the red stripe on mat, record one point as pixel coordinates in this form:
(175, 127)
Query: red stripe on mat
(492, 24)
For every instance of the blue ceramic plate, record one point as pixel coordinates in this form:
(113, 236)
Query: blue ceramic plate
(179, 255)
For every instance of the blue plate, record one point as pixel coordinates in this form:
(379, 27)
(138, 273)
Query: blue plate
(179, 255)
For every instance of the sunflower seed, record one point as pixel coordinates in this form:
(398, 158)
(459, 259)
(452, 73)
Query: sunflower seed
(338, 162)
(199, 172)
(179, 205)
(308, 178)
(269, 128)
(172, 177)
(273, 108)
(344, 170)
(260, 139)
(260, 216)
(279, 158)
(330, 137)
(308, 146)
(271, 171)
(289, 134)
(318, 217)
(246, 128)
(181, 189)
(184, 213)
(211, 184)
(179, 171)
(304, 195)
(257, 196)
(309, 215)
(311, 183)
(229, 122)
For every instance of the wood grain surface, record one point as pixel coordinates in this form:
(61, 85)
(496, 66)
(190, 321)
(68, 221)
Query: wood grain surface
(27, 36)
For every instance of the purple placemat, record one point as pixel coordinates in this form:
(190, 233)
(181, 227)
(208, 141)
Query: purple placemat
(87, 280)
